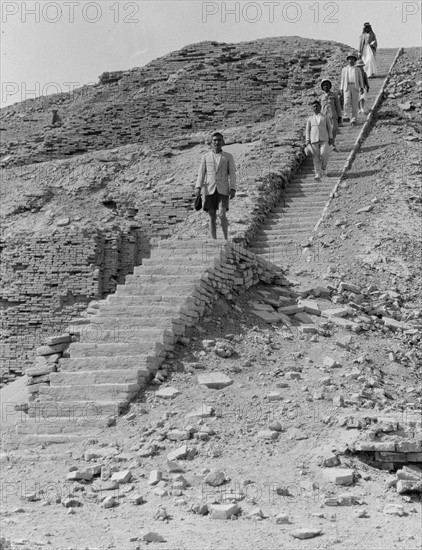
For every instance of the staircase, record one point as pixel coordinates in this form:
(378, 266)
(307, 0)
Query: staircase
(288, 227)
(127, 336)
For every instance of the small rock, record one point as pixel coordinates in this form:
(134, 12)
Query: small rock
(161, 513)
(71, 502)
(122, 477)
(340, 476)
(109, 502)
(215, 478)
(199, 508)
(282, 519)
(274, 396)
(305, 533)
(154, 477)
(151, 536)
(136, 499)
(394, 510)
(167, 393)
(215, 380)
(223, 511)
(268, 434)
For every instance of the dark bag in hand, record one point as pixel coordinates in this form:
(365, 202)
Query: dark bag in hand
(198, 202)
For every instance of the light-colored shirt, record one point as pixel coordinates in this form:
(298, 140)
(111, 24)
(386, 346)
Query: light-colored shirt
(216, 157)
(351, 74)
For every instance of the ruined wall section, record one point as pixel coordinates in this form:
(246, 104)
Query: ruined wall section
(48, 280)
(200, 86)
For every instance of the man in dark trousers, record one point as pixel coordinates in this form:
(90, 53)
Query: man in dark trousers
(217, 175)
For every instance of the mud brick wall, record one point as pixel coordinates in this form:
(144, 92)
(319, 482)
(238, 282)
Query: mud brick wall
(199, 87)
(46, 281)
(392, 443)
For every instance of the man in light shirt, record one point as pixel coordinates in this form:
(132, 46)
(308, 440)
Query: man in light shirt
(217, 175)
(351, 86)
(319, 136)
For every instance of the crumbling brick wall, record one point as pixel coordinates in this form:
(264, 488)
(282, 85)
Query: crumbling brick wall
(48, 280)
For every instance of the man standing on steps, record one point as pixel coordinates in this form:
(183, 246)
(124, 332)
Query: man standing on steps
(351, 86)
(217, 174)
(319, 135)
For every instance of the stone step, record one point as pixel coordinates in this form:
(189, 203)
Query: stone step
(143, 363)
(37, 440)
(154, 299)
(100, 392)
(123, 333)
(110, 321)
(276, 232)
(139, 310)
(280, 232)
(115, 349)
(165, 279)
(306, 202)
(282, 214)
(173, 259)
(311, 190)
(75, 409)
(112, 376)
(164, 269)
(56, 425)
(157, 289)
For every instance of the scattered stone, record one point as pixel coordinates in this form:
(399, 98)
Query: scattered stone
(109, 502)
(223, 511)
(151, 536)
(177, 454)
(136, 499)
(330, 461)
(394, 510)
(268, 434)
(174, 466)
(305, 533)
(362, 513)
(215, 478)
(203, 412)
(199, 508)
(330, 363)
(224, 349)
(178, 435)
(406, 486)
(122, 477)
(292, 375)
(154, 477)
(275, 426)
(338, 312)
(274, 396)
(167, 393)
(71, 502)
(340, 476)
(87, 475)
(215, 380)
(282, 519)
(161, 513)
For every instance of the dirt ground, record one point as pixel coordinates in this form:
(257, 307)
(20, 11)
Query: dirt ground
(377, 250)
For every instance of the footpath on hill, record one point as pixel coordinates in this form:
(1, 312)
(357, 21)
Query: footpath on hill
(291, 408)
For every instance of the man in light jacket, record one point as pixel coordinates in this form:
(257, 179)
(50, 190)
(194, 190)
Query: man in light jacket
(217, 175)
(319, 136)
(351, 86)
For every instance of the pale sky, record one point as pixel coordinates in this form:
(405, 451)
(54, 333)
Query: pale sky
(56, 46)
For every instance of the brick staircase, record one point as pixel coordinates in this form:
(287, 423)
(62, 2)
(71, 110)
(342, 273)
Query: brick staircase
(126, 337)
(290, 224)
